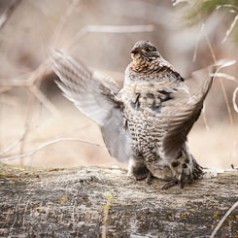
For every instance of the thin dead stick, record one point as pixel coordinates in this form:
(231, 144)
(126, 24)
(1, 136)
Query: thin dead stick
(119, 29)
(6, 15)
(27, 126)
(17, 141)
(204, 117)
(226, 76)
(235, 93)
(63, 20)
(35, 94)
(43, 69)
(43, 99)
(223, 219)
(30, 82)
(176, 2)
(11, 146)
(230, 6)
(230, 29)
(47, 144)
(194, 58)
(196, 48)
(220, 80)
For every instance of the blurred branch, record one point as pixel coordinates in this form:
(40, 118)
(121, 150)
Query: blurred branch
(8, 12)
(30, 84)
(228, 33)
(111, 29)
(118, 29)
(220, 80)
(63, 20)
(32, 78)
(28, 125)
(197, 11)
(43, 99)
(12, 145)
(46, 144)
(226, 76)
(175, 2)
(235, 95)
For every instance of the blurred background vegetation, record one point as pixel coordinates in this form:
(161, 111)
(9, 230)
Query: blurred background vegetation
(38, 127)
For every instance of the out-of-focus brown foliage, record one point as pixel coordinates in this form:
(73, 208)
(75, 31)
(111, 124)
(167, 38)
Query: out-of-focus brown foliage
(34, 115)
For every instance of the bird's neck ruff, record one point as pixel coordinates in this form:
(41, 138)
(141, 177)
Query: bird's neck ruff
(145, 65)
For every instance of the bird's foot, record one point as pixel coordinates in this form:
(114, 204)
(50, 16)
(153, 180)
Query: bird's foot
(170, 183)
(180, 180)
(184, 174)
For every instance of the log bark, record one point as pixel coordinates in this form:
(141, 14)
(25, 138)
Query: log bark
(100, 202)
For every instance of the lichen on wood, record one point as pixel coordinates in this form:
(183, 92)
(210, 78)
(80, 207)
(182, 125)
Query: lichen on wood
(100, 202)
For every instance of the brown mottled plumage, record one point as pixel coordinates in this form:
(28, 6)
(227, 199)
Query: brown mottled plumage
(147, 121)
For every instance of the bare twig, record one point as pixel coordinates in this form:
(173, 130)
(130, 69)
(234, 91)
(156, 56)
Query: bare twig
(204, 117)
(220, 80)
(63, 21)
(175, 2)
(230, 29)
(223, 219)
(27, 126)
(8, 12)
(11, 146)
(22, 81)
(35, 93)
(47, 144)
(226, 76)
(30, 84)
(234, 96)
(43, 99)
(230, 6)
(119, 29)
(196, 47)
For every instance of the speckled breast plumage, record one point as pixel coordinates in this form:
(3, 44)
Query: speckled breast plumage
(144, 94)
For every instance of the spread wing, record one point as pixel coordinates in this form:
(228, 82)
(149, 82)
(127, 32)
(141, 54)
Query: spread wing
(179, 114)
(94, 95)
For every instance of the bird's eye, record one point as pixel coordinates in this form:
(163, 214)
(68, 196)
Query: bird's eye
(147, 49)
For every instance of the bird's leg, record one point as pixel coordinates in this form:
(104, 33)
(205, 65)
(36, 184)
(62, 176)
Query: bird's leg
(149, 178)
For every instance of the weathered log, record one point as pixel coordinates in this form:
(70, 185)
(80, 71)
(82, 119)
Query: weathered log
(99, 202)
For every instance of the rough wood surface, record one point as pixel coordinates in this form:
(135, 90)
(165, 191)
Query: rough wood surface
(96, 202)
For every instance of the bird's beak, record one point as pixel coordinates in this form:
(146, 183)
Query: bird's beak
(134, 51)
(135, 54)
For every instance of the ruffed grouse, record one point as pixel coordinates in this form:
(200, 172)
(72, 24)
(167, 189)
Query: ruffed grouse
(146, 122)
